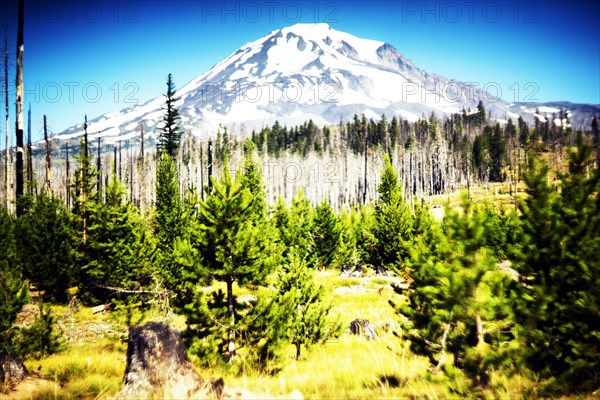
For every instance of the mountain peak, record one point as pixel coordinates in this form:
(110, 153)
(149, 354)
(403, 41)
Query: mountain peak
(299, 72)
(313, 27)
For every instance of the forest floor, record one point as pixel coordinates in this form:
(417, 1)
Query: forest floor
(349, 367)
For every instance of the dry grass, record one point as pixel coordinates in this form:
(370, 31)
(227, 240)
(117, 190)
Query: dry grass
(349, 367)
(83, 371)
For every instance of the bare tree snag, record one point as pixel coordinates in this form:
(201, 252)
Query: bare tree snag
(479, 330)
(210, 163)
(29, 169)
(47, 187)
(99, 168)
(442, 359)
(67, 178)
(19, 109)
(7, 163)
(84, 194)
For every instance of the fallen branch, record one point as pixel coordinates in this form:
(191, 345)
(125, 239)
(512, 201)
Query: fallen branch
(101, 308)
(129, 291)
(162, 296)
(443, 354)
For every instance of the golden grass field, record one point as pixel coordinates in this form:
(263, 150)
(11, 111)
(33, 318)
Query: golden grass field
(349, 367)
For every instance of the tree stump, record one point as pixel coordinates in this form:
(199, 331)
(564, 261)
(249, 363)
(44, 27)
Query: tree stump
(363, 327)
(12, 370)
(158, 366)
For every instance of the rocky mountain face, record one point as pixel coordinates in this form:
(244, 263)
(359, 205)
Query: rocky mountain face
(311, 71)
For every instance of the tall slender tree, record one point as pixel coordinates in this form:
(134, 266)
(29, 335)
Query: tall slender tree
(19, 108)
(47, 186)
(86, 195)
(29, 169)
(170, 133)
(7, 162)
(393, 222)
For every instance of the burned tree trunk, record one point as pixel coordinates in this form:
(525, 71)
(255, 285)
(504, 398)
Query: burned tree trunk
(19, 110)
(7, 127)
(47, 186)
(84, 183)
(67, 179)
(158, 366)
(99, 169)
(210, 164)
(31, 189)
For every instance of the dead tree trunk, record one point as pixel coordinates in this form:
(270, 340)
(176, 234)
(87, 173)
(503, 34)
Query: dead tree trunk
(210, 164)
(7, 127)
(364, 197)
(19, 109)
(231, 314)
(201, 174)
(141, 176)
(99, 170)
(67, 179)
(84, 183)
(31, 188)
(479, 330)
(47, 187)
(120, 162)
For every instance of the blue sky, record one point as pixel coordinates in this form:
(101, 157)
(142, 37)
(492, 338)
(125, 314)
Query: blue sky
(96, 56)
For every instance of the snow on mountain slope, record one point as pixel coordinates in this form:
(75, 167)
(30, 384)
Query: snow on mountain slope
(300, 72)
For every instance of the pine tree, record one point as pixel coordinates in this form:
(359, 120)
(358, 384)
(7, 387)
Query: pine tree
(558, 310)
(496, 144)
(42, 338)
(48, 243)
(168, 223)
(293, 311)
(307, 324)
(393, 223)
(356, 239)
(459, 301)
(13, 291)
(481, 114)
(295, 226)
(253, 181)
(85, 195)
(170, 133)
(326, 235)
(481, 157)
(388, 184)
(119, 252)
(227, 245)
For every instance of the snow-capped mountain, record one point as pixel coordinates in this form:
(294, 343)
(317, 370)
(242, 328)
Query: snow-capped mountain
(301, 72)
